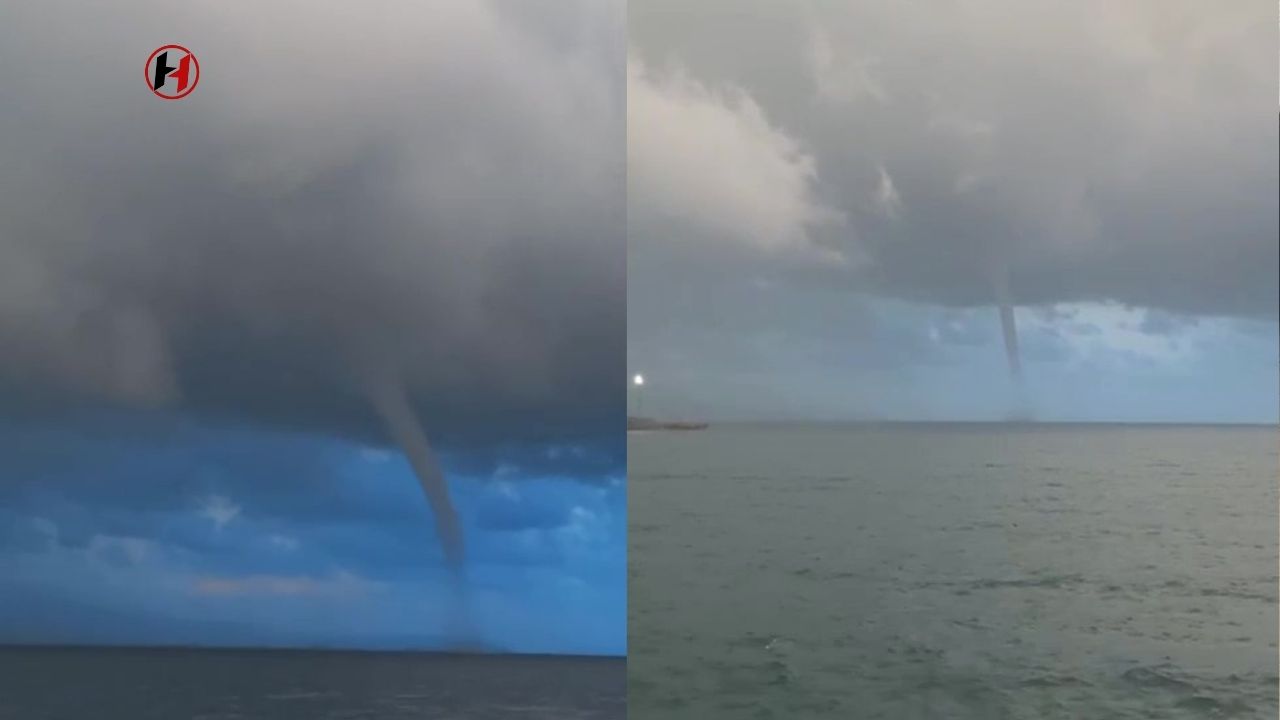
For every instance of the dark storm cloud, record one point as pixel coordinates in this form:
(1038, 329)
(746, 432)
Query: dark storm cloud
(434, 191)
(1092, 151)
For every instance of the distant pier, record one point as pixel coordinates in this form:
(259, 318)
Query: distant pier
(640, 423)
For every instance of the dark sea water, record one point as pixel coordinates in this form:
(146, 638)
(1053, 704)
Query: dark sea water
(967, 571)
(113, 684)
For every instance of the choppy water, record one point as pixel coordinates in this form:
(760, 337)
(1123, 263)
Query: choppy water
(953, 572)
(112, 684)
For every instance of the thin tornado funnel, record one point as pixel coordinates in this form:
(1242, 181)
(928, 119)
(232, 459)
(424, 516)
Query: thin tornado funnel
(1009, 326)
(1009, 329)
(391, 400)
(1008, 323)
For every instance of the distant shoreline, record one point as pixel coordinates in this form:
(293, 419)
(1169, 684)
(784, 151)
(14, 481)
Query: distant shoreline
(640, 424)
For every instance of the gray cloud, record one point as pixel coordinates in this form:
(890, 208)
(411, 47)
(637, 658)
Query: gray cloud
(1097, 152)
(436, 190)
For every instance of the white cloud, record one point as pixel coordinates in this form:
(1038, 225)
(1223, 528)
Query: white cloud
(506, 490)
(710, 162)
(114, 549)
(505, 470)
(220, 510)
(46, 527)
(375, 455)
(840, 77)
(582, 525)
(887, 197)
(284, 542)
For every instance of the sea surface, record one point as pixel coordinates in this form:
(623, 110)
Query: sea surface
(137, 684)
(954, 571)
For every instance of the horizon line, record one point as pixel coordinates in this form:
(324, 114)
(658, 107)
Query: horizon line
(1018, 421)
(336, 649)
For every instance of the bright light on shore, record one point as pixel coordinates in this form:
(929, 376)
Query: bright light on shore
(638, 380)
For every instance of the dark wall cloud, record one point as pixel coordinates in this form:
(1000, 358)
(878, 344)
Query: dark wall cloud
(433, 192)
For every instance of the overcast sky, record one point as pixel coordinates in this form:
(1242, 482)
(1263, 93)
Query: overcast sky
(827, 202)
(347, 194)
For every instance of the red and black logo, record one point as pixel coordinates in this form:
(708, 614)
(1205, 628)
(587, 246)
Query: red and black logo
(172, 72)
